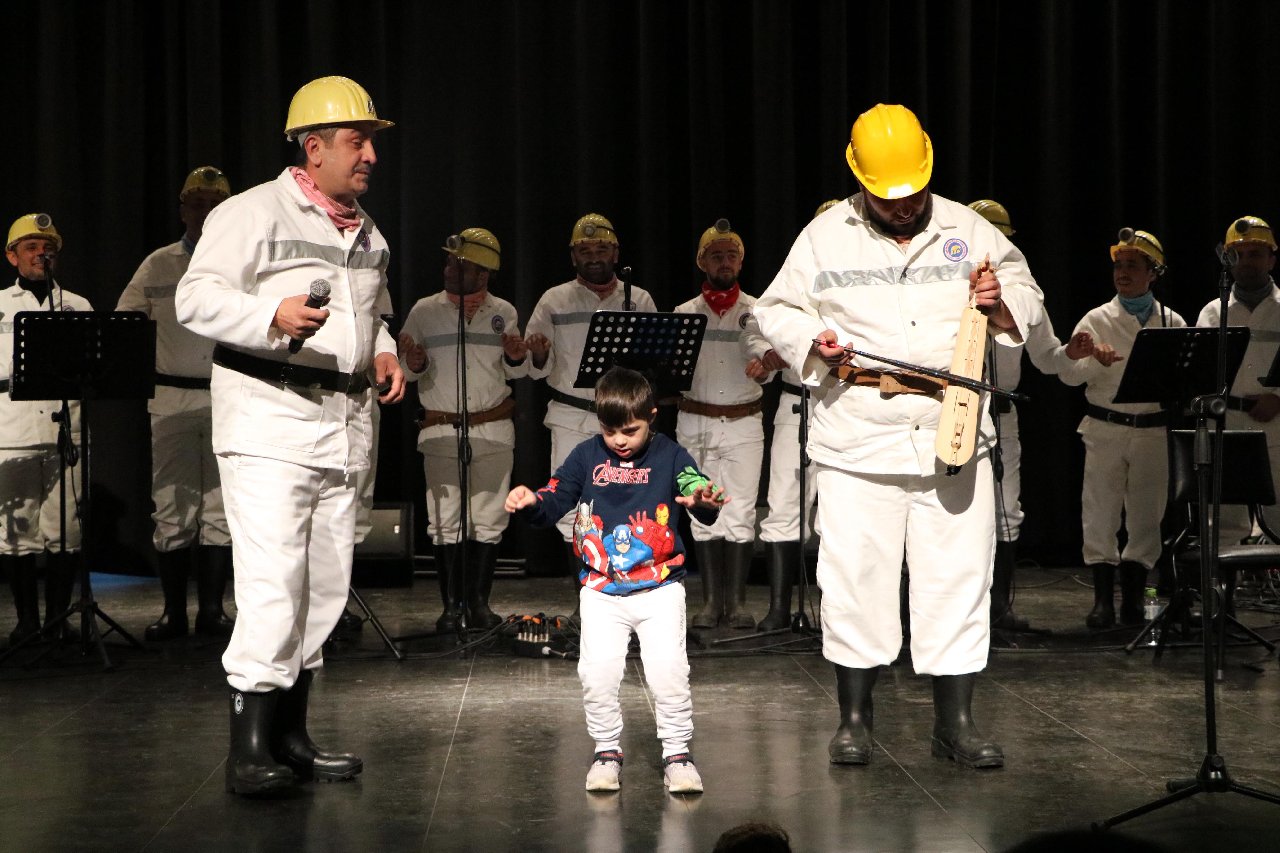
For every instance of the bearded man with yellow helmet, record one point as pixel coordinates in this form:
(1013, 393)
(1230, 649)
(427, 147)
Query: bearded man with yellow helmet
(1126, 466)
(289, 279)
(891, 272)
(492, 352)
(30, 465)
(557, 335)
(185, 487)
(1255, 304)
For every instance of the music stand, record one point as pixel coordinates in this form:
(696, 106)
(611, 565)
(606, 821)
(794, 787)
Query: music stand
(1174, 366)
(663, 346)
(86, 356)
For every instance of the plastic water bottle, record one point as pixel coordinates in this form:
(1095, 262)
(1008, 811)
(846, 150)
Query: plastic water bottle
(1150, 610)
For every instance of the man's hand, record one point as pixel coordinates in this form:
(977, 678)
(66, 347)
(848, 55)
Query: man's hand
(390, 378)
(826, 348)
(413, 353)
(519, 498)
(1080, 346)
(756, 370)
(708, 496)
(773, 361)
(1106, 354)
(514, 348)
(984, 287)
(1265, 407)
(295, 320)
(539, 347)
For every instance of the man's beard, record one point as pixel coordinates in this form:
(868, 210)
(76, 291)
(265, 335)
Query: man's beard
(1253, 283)
(902, 229)
(724, 281)
(596, 273)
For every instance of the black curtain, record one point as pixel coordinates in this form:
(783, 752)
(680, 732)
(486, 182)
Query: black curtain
(520, 116)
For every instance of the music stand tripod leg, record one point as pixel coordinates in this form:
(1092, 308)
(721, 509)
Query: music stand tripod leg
(377, 624)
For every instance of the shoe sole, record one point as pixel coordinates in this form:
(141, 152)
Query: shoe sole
(682, 789)
(606, 787)
(940, 751)
(858, 758)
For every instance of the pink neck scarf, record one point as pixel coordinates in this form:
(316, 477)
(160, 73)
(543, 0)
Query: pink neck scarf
(345, 218)
(470, 302)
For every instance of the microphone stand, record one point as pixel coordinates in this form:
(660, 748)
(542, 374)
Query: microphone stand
(1213, 776)
(459, 568)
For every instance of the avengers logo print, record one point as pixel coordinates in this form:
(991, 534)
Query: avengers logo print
(955, 249)
(497, 324)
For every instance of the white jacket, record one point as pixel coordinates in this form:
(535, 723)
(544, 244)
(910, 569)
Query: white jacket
(844, 275)
(1263, 323)
(729, 343)
(262, 246)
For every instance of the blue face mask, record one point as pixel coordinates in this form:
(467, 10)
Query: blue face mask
(1140, 306)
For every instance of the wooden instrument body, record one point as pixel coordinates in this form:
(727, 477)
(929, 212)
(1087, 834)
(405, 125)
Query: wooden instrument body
(961, 407)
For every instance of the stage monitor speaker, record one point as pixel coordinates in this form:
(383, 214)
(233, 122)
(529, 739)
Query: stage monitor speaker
(385, 557)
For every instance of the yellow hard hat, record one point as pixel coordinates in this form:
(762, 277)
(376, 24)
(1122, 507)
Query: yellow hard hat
(1145, 242)
(477, 245)
(994, 212)
(593, 226)
(826, 205)
(889, 152)
(205, 178)
(33, 225)
(331, 101)
(1250, 228)
(720, 231)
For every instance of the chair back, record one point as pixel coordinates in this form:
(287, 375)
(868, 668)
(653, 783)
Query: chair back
(1246, 468)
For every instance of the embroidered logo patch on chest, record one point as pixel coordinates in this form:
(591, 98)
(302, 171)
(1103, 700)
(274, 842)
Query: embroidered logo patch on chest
(497, 324)
(742, 321)
(955, 249)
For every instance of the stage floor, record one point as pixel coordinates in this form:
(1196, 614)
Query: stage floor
(487, 750)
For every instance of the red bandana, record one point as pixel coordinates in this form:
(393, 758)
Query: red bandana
(720, 301)
(600, 290)
(470, 303)
(345, 218)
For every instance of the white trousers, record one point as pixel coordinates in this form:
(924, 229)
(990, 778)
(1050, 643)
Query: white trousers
(292, 531)
(29, 504)
(945, 528)
(1009, 490)
(783, 521)
(185, 485)
(1126, 469)
(657, 617)
(488, 484)
(730, 451)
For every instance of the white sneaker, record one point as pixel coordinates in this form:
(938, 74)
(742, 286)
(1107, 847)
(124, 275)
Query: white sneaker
(680, 775)
(606, 771)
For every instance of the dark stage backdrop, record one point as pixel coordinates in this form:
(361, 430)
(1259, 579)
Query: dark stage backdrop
(1081, 117)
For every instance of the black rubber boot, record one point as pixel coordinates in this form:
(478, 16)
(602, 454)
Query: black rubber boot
(1133, 588)
(251, 769)
(711, 567)
(954, 734)
(575, 567)
(1002, 615)
(737, 566)
(784, 561)
(852, 741)
(59, 579)
(447, 576)
(212, 571)
(24, 583)
(292, 746)
(1103, 614)
(483, 557)
(173, 567)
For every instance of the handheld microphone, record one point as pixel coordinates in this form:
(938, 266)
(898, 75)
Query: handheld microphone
(1227, 255)
(317, 298)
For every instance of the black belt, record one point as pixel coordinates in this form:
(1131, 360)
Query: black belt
(1151, 419)
(1240, 404)
(570, 400)
(4, 385)
(182, 382)
(1001, 405)
(290, 374)
(792, 389)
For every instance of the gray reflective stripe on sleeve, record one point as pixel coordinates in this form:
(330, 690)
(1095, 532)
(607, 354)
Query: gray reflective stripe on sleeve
(722, 335)
(295, 250)
(160, 291)
(828, 279)
(480, 340)
(569, 319)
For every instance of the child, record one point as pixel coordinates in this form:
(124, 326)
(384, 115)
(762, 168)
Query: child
(629, 485)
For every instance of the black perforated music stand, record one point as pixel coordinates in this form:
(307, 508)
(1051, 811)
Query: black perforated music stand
(663, 346)
(1174, 366)
(86, 356)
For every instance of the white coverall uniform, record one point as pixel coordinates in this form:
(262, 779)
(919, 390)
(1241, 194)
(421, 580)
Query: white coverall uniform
(729, 450)
(1263, 323)
(783, 521)
(563, 315)
(883, 491)
(30, 467)
(1126, 467)
(185, 487)
(433, 324)
(289, 455)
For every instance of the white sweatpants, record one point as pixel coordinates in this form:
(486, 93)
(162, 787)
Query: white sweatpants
(29, 504)
(783, 521)
(185, 485)
(1125, 469)
(488, 484)
(657, 617)
(945, 528)
(292, 532)
(730, 451)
